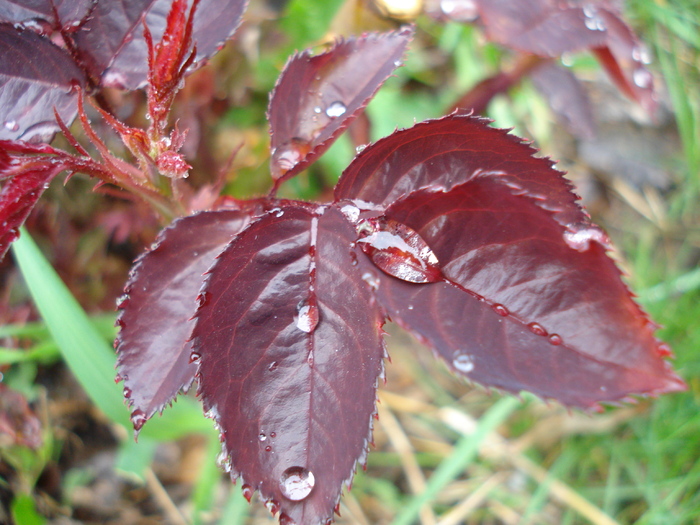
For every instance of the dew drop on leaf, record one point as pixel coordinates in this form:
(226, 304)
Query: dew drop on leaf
(463, 362)
(371, 279)
(195, 357)
(307, 317)
(537, 329)
(138, 419)
(399, 251)
(500, 310)
(11, 125)
(296, 483)
(273, 366)
(642, 78)
(268, 448)
(555, 339)
(273, 506)
(288, 155)
(336, 109)
(262, 436)
(127, 392)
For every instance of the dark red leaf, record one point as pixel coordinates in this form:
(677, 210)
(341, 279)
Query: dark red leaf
(20, 193)
(40, 15)
(543, 27)
(449, 151)
(19, 425)
(153, 347)
(567, 98)
(291, 349)
(116, 50)
(35, 77)
(527, 304)
(317, 97)
(625, 58)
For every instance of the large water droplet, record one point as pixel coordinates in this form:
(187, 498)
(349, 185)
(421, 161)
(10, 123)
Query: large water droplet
(262, 436)
(399, 251)
(195, 357)
(463, 362)
(642, 78)
(288, 155)
(555, 339)
(11, 125)
(336, 109)
(307, 317)
(297, 483)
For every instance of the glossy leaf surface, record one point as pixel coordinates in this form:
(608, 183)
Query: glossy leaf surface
(290, 344)
(35, 77)
(44, 16)
(523, 306)
(160, 298)
(113, 43)
(317, 97)
(445, 152)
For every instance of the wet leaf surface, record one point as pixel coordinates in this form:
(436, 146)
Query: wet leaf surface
(161, 296)
(40, 15)
(293, 400)
(443, 153)
(35, 77)
(115, 49)
(524, 306)
(317, 97)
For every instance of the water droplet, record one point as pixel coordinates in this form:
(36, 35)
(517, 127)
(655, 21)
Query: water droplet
(336, 109)
(273, 506)
(537, 329)
(127, 392)
(118, 378)
(555, 339)
(297, 483)
(203, 299)
(288, 155)
(123, 302)
(138, 419)
(273, 434)
(273, 366)
(262, 436)
(664, 350)
(371, 279)
(399, 251)
(360, 148)
(463, 362)
(11, 125)
(310, 359)
(317, 109)
(307, 317)
(352, 213)
(603, 389)
(642, 78)
(500, 310)
(195, 357)
(580, 239)
(38, 26)
(247, 492)
(410, 307)
(460, 10)
(268, 448)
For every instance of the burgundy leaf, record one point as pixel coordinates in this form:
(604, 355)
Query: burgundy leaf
(35, 77)
(445, 152)
(625, 59)
(19, 424)
(116, 50)
(153, 343)
(527, 304)
(40, 15)
(20, 193)
(290, 348)
(543, 27)
(567, 97)
(317, 97)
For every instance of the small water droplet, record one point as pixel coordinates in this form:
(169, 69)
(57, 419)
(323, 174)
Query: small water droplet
(642, 78)
(352, 213)
(664, 350)
(273, 435)
(463, 362)
(138, 419)
(203, 299)
(555, 339)
(247, 492)
(262, 436)
(537, 329)
(195, 357)
(360, 148)
(371, 279)
(318, 109)
(11, 125)
(118, 378)
(273, 506)
(297, 483)
(127, 392)
(580, 239)
(288, 155)
(336, 109)
(310, 359)
(123, 302)
(603, 389)
(307, 317)
(268, 448)
(500, 310)
(273, 366)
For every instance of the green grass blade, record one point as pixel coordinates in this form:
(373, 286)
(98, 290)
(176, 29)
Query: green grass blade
(89, 356)
(464, 453)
